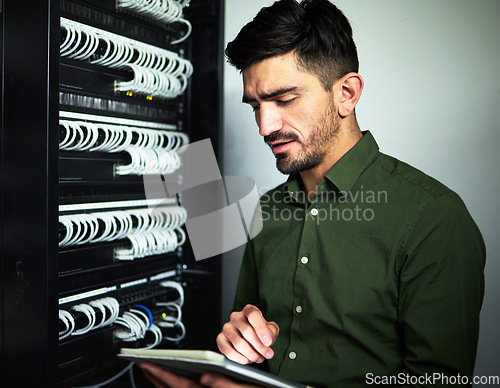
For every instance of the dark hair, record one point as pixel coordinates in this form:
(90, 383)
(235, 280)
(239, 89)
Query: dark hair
(316, 30)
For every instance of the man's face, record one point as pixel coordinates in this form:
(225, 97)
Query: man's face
(295, 115)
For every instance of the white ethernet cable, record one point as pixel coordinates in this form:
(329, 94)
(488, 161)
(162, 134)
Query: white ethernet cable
(89, 311)
(157, 72)
(133, 320)
(69, 322)
(90, 314)
(166, 11)
(176, 305)
(155, 231)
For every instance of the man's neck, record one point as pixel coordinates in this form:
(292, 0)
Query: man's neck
(313, 177)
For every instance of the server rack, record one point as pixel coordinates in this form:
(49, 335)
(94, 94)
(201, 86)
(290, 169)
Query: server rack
(41, 87)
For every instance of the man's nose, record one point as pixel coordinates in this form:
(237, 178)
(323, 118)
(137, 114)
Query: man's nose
(268, 120)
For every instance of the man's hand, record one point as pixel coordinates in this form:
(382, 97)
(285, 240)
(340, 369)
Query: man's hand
(247, 337)
(163, 379)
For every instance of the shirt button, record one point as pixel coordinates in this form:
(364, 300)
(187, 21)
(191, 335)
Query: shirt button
(298, 309)
(292, 355)
(304, 260)
(314, 212)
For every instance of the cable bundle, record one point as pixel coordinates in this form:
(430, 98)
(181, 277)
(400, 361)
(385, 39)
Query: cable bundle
(114, 225)
(166, 11)
(151, 151)
(152, 82)
(157, 72)
(104, 137)
(156, 240)
(89, 310)
(152, 243)
(135, 324)
(172, 318)
(150, 162)
(137, 321)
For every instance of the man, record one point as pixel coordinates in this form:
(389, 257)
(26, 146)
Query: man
(366, 269)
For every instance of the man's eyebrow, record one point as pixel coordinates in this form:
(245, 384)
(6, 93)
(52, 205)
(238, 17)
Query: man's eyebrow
(266, 96)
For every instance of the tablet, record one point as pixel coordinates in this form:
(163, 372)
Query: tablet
(193, 363)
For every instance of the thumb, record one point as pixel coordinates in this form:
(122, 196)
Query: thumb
(275, 329)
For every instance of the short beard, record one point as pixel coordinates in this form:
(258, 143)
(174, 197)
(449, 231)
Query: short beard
(298, 165)
(321, 140)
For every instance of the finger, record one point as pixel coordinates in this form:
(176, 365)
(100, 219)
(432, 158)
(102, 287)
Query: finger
(227, 348)
(164, 379)
(259, 324)
(265, 335)
(273, 326)
(219, 381)
(243, 338)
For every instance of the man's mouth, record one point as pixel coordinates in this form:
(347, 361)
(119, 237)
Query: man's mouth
(280, 142)
(281, 146)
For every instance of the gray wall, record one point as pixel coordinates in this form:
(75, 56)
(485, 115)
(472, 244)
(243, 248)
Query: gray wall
(431, 98)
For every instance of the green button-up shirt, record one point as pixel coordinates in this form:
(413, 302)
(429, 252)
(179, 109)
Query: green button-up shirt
(380, 275)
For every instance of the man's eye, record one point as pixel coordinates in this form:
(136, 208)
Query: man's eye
(285, 102)
(256, 107)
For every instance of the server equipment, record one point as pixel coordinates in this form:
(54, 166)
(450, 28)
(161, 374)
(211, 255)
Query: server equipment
(97, 94)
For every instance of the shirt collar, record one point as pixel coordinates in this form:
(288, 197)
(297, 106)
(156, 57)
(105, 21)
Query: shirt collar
(345, 172)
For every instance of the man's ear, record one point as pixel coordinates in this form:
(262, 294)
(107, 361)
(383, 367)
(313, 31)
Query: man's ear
(351, 86)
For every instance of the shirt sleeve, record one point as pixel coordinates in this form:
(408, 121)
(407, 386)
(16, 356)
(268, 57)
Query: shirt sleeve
(247, 288)
(441, 289)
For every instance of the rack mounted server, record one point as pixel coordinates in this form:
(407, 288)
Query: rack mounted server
(97, 94)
